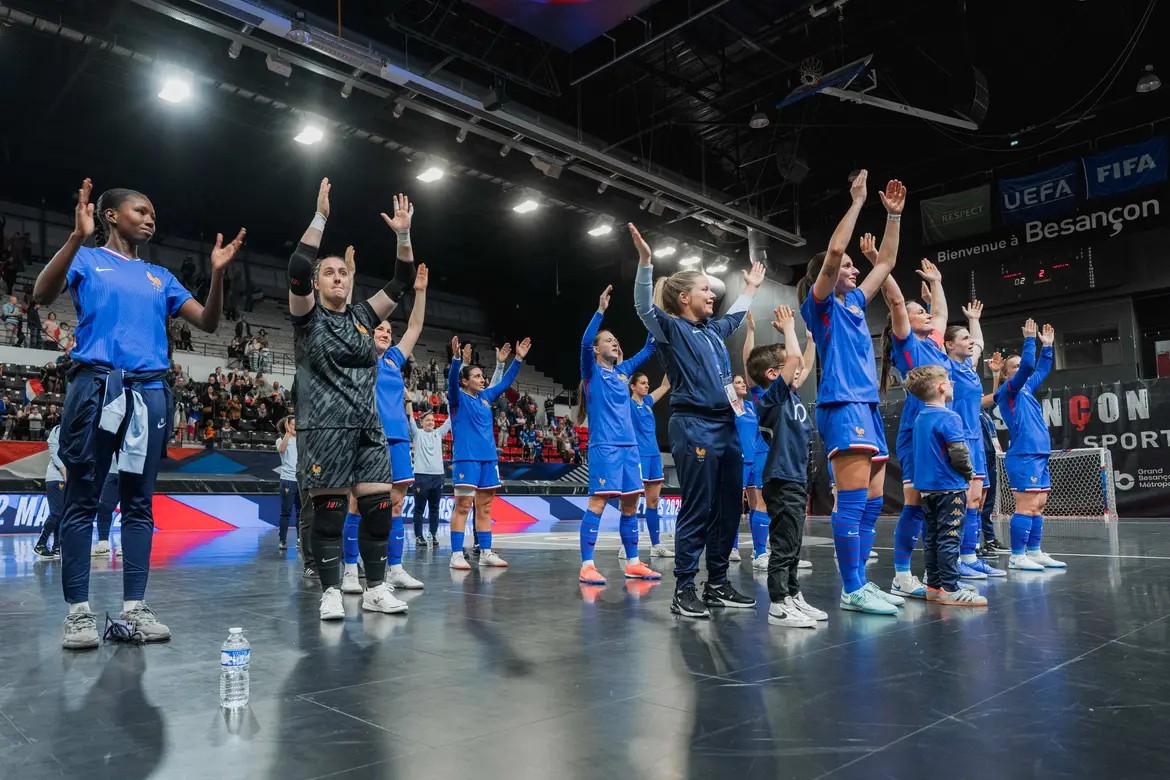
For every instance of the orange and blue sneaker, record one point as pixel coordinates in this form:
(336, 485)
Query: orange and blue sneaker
(590, 575)
(932, 593)
(640, 571)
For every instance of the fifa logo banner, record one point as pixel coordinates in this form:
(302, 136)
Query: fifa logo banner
(958, 215)
(1128, 168)
(1041, 195)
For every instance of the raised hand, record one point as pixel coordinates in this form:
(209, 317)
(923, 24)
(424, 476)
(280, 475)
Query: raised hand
(929, 272)
(403, 213)
(782, 318)
(1047, 336)
(750, 320)
(924, 293)
(467, 354)
(755, 277)
(420, 279)
(222, 255)
(503, 352)
(1030, 328)
(857, 189)
(523, 347)
(995, 362)
(323, 198)
(869, 247)
(894, 198)
(349, 258)
(455, 347)
(83, 213)
(973, 310)
(603, 300)
(640, 244)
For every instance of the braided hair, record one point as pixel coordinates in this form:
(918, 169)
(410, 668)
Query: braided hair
(109, 200)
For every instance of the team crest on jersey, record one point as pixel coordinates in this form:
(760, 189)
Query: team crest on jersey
(853, 308)
(460, 475)
(1033, 480)
(361, 329)
(957, 513)
(623, 377)
(315, 469)
(701, 453)
(154, 280)
(859, 430)
(484, 402)
(601, 481)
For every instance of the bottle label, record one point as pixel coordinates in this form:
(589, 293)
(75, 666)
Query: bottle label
(231, 659)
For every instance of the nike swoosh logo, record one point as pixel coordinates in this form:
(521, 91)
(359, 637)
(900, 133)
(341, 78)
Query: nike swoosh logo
(162, 423)
(328, 560)
(103, 269)
(383, 559)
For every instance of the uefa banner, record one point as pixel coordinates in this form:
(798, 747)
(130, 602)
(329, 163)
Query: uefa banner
(1040, 195)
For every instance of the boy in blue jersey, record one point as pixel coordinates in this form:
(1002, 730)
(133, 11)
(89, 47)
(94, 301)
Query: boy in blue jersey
(615, 466)
(475, 466)
(118, 398)
(679, 315)
(642, 412)
(1026, 461)
(783, 419)
(834, 305)
(942, 472)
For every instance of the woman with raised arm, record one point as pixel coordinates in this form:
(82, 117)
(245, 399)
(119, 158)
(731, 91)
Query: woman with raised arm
(118, 400)
(679, 313)
(1026, 461)
(912, 338)
(615, 467)
(964, 347)
(834, 304)
(755, 455)
(642, 411)
(475, 466)
(342, 443)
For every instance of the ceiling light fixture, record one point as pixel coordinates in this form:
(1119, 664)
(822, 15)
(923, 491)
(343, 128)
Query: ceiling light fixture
(759, 121)
(299, 33)
(278, 66)
(528, 201)
(175, 89)
(433, 169)
(311, 132)
(690, 260)
(719, 266)
(234, 50)
(1148, 81)
(603, 225)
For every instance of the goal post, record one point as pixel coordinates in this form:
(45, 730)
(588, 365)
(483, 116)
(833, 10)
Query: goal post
(1082, 486)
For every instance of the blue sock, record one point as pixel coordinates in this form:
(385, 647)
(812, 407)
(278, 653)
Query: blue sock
(846, 527)
(759, 525)
(1035, 531)
(1021, 527)
(485, 540)
(628, 530)
(349, 538)
(590, 522)
(906, 535)
(397, 542)
(971, 525)
(457, 541)
(867, 532)
(652, 525)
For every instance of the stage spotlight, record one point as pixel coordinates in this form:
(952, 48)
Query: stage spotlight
(719, 266)
(528, 201)
(311, 132)
(690, 260)
(1148, 81)
(666, 249)
(601, 226)
(433, 169)
(175, 89)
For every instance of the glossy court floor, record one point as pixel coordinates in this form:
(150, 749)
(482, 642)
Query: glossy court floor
(523, 674)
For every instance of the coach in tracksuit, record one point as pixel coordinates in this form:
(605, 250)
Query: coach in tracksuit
(703, 439)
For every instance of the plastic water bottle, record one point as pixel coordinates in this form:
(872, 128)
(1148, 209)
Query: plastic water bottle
(234, 657)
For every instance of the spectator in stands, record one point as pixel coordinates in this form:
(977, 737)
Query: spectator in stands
(278, 391)
(66, 340)
(253, 355)
(21, 428)
(187, 272)
(9, 415)
(528, 441)
(8, 267)
(262, 337)
(264, 420)
(244, 330)
(209, 435)
(432, 376)
(235, 410)
(53, 418)
(33, 320)
(501, 431)
(51, 378)
(36, 423)
(262, 388)
(528, 406)
(235, 352)
(194, 415)
(12, 316)
(52, 329)
(185, 338)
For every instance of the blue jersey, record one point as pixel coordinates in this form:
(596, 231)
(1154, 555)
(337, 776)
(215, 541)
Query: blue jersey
(645, 430)
(747, 425)
(472, 429)
(607, 391)
(844, 347)
(785, 425)
(122, 309)
(968, 401)
(1018, 406)
(908, 354)
(693, 354)
(391, 394)
(935, 428)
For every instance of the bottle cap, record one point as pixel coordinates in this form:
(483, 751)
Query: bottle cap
(235, 630)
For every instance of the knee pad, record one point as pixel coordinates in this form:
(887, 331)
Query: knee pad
(329, 516)
(377, 512)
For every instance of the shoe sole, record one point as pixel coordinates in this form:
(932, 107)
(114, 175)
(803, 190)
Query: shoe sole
(416, 586)
(979, 576)
(996, 574)
(334, 616)
(775, 621)
(352, 592)
(599, 581)
(862, 610)
(819, 617)
(688, 614)
(648, 577)
(1025, 568)
(907, 595)
(494, 565)
(943, 603)
(391, 611)
(159, 637)
(721, 604)
(461, 568)
(87, 645)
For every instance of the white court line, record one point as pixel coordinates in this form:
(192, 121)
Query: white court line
(1087, 555)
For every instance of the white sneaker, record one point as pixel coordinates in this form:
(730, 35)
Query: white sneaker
(661, 551)
(873, 556)
(1024, 563)
(1046, 560)
(808, 609)
(349, 582)
(908, 586)
(735, 556)
(101, 548)
(380, 598)
(760, 562)
(331, 607)
(459, 562)
(803, 564)
(785, 613)
(399, 578)
(492, 559)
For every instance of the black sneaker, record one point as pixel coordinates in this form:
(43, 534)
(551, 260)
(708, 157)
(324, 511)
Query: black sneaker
(283, 544)
(687, 603)
(42, 551)
(420, 542)
(724, 595)
(994, 546)
(433, 541)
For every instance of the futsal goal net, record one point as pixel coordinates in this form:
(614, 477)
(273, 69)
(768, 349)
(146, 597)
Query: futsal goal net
(1082, 486)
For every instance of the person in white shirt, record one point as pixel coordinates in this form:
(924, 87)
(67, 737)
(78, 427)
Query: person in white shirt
(55, 493)
(428, 472)
(290, 495)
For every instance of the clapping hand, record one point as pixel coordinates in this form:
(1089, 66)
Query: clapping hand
(523, 347)
(1029, 328)
(323, 198)
(640, 244)
(974, 310)
(869, 248)
(603, 300)
(755, 277)
(782, 318)
(503, 352)
(403, 213)
(83, 223)
(1047, 336)
(222, 255)
(894, 198)
(857, 189)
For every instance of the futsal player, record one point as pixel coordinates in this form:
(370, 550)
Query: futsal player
(615, 467)
(679, 313)
(913, 338)
(755, 453)
(475, 466)
(833, 307)
(642, 402)
(55, 475)
(964, 347)
(290, 495)
(118, 398)
(1026, 461)
(342, 445)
